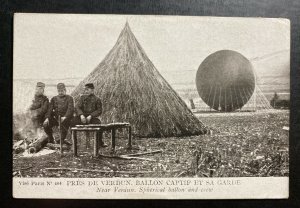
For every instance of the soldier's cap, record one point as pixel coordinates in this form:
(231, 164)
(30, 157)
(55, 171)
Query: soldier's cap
(61, 86)
(40, 84)
(90, 85)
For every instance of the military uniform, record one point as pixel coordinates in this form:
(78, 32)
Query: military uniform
(38, 108)
(88, 105)
(63, 106)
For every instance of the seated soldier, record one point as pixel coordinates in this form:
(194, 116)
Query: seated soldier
(61, 106)
(39, 106)
(88, 108)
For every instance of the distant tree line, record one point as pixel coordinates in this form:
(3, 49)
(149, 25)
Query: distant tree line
(278, 103)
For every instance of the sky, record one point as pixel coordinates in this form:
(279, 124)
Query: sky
(60, 46)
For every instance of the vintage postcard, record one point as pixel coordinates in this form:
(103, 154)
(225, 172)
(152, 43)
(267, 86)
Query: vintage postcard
(150, 107)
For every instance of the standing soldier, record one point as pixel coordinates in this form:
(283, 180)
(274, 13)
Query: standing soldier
(61, 106)
(39, 106)
(88, 108)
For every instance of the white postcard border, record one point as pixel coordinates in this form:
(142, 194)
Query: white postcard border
(152, 188)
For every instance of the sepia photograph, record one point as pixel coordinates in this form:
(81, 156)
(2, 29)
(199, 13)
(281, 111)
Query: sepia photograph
(150, 106)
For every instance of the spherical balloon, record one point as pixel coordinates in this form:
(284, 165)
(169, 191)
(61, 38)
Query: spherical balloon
(225, 80)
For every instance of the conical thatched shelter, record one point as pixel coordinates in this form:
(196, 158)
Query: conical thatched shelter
(132, 90)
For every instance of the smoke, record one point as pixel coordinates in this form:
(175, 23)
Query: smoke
(24, 128)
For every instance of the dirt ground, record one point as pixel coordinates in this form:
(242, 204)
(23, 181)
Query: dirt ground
(240, 144)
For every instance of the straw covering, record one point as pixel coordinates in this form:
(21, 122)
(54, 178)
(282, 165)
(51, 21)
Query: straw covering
(132, 90)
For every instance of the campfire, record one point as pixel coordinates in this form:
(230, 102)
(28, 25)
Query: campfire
(26, 136)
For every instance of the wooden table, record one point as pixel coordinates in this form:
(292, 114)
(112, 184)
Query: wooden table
(98, 130)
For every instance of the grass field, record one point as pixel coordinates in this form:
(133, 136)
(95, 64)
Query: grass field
(240, 144)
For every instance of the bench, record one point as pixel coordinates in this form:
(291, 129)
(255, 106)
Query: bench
(98, 130)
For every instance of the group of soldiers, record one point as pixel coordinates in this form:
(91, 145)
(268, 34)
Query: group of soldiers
(47, 114)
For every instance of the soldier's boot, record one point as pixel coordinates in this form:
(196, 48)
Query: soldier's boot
(64, 134)
(48, 131)
(102, 144)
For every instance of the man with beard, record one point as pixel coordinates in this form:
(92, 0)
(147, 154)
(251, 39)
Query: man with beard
(61, 107)
(39, 106)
